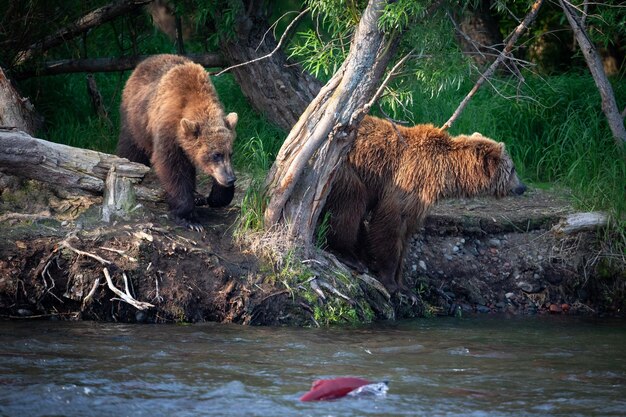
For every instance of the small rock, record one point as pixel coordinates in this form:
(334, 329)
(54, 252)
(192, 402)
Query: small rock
(510, 295)
(414, 268)
(483, 309)
(539, 258)
(462, 241)
(536, 276)
(494, 243)
(24, 312)
(565, 307)
(448, 257)
(528, 287)
(422, 265)
(455, 249)
(140, 316)
(501, 305)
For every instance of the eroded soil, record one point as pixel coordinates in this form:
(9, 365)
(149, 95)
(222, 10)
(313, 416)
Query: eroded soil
(471, 256)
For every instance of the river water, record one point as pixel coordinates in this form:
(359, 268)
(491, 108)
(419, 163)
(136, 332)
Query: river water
(486, 366)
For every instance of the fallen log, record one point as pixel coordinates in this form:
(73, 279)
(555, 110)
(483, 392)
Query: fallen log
(25, 156)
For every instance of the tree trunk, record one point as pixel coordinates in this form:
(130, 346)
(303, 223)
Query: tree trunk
(480, 36)
(275, 86)
(301, 176)
(66, 166)
(16, 111)
(594, 62)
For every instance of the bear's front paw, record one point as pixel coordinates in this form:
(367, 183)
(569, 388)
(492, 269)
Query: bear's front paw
(189, 224)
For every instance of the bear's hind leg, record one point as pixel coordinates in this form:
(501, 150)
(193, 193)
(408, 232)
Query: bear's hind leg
(347, 206)
(384, 243)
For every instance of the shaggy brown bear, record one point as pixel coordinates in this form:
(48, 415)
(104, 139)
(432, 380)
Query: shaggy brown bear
(172, 119)
(392, 176)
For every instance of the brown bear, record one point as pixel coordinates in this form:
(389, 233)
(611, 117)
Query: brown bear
(172, 119)
(392, 176)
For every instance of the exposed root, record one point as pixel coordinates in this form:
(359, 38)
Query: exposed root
(126, 297)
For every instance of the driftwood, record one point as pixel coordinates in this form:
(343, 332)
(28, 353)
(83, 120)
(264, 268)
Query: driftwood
(579, 222)
(25, 156)
(66, 66)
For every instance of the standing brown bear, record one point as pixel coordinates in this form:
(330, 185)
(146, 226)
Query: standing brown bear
(172, 119)
(393, 175)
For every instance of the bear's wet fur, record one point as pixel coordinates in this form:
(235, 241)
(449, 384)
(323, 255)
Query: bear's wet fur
(172, 119)
(392, 176)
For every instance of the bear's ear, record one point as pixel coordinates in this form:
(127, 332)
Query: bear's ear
(190, 127)
(231, 120)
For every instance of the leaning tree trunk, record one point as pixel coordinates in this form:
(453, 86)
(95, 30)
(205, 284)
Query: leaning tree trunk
(594, 62)
(16, 111)
(275, 86)
(301, 176)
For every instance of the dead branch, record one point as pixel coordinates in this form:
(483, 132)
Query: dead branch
(96, 100)
(278, 46)
(124, 63)
(90, 20)
(512, 39)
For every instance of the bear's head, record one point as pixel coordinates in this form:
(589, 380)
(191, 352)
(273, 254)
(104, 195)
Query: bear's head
(493, 169)
(210, 146)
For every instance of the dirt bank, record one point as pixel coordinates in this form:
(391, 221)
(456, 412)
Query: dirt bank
(474, 256)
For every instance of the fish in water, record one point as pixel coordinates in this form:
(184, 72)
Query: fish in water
(329, 389)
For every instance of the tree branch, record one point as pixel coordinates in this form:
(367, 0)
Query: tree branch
(512, 39)
(124, 63)
(90, 20)
(278, 46)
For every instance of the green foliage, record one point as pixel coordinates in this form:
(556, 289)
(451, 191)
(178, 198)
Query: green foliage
(322, 230)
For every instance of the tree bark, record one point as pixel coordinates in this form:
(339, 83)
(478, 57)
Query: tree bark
(301, 176)
(276, 87)
(90, 20)
(124, 63)
(594, 62)
(479, 34)
(28, 157)
(16, 111)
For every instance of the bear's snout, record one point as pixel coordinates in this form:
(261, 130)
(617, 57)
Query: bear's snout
(230, 181)
(519, 189)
